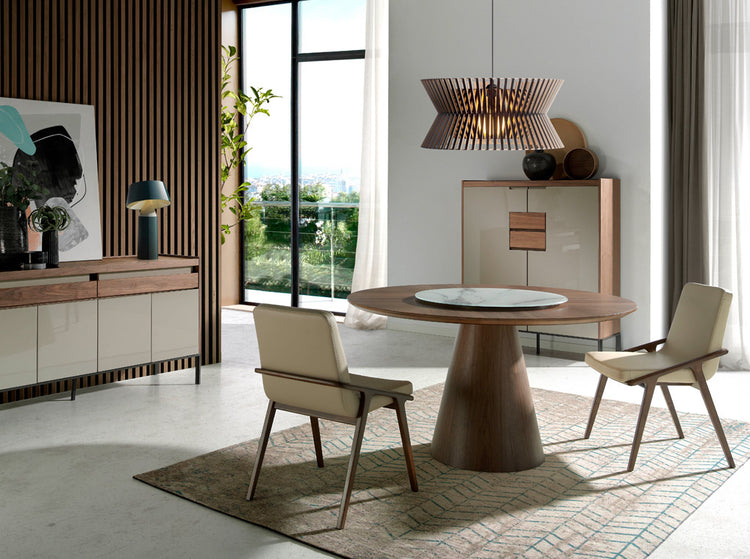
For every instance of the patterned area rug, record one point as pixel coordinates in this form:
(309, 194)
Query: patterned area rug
(580, 502)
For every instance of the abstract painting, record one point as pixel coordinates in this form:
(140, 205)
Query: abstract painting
(54, 144)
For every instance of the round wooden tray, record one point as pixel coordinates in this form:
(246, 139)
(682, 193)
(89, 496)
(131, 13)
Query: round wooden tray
(581, 163)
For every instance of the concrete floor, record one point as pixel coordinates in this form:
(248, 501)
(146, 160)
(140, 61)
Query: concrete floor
(65, 467)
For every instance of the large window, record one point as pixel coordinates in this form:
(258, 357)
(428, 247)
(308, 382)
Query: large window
(305, 160)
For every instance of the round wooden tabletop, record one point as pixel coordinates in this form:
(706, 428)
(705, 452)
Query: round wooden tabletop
(582, 306)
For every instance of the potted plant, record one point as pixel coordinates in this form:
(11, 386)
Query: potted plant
(49, 221)
(16, 192)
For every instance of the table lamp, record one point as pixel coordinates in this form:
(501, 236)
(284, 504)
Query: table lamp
(147, 196)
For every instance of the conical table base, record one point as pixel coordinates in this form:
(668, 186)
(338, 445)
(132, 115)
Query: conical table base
(487, 420)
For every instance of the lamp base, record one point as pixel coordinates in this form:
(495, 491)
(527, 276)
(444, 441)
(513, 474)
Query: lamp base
(148, 237)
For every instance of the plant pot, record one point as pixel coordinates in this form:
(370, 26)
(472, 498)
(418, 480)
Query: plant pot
(13, 235)
(51, 245)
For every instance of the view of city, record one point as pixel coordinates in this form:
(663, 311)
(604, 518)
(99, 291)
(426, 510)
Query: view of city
(333, 183)
(328, 124)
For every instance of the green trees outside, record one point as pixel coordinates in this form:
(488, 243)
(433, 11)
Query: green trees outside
(328, 241)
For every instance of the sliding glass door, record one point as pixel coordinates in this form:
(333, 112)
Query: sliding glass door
(305, 161)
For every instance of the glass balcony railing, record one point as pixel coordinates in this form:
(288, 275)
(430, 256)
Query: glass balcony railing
(327, 247)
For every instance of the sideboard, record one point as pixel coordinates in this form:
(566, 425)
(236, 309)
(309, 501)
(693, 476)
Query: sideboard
(553, 233)
(96, 316)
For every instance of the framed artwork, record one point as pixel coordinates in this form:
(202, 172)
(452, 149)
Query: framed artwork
(54, 144)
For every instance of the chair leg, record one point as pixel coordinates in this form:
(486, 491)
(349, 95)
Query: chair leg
(316, 439)
(359, 432)
(648, 395)
(672, 411)
(709, 402)
(408, 453)
(262, 443)
(595, 405)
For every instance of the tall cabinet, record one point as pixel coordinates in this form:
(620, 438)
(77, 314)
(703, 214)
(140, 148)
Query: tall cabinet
(563, 233)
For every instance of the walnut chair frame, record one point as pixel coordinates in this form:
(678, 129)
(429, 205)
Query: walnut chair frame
(649, 382)
(366, 394)
(698, 328)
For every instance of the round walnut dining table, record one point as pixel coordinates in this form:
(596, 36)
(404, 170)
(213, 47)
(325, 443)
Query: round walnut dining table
(487, 420)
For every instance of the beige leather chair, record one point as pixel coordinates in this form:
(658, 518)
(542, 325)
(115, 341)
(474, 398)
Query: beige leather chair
(689, 356)
(304, 371)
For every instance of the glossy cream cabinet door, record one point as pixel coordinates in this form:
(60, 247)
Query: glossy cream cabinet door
(174, 320)
(67, 340)
(487, 258)
(124, 331)
(18, 347)
(571, 260)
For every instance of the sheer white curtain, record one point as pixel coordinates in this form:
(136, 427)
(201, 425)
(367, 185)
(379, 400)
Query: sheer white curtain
(727, 110)
(370, 266)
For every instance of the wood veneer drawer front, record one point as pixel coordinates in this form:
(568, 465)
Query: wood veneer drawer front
(149, 284)
(529, 221)
(48, 293)
(17, 347)
(67, 340)
(528, 240)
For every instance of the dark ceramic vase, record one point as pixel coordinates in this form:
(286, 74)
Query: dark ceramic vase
(13, 236)
(538, 165)
(51, 245)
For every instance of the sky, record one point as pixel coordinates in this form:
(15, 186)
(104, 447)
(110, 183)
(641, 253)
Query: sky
(331, 92)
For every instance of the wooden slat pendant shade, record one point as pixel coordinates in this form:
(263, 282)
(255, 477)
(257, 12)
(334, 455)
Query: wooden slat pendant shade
(492, 113)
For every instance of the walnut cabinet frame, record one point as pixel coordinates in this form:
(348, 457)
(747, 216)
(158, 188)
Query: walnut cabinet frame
(553, 233)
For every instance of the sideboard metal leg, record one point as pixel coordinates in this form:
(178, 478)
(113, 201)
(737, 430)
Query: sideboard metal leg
(197, 369)
(599, 345)
(618, 342)
(538, 345)
(74, 382)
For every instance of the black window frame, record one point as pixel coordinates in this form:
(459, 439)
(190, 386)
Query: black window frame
(297, 59)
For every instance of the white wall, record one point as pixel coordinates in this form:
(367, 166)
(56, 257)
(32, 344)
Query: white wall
(601, 50)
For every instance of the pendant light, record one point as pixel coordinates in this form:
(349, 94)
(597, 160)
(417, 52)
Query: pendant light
(492, 113)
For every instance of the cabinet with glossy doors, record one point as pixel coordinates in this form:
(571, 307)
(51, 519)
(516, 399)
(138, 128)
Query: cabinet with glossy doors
(90, 317)
(562, 233)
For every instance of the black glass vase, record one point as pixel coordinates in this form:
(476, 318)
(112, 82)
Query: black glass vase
(539, 165)
(51, 245)
(13, 236)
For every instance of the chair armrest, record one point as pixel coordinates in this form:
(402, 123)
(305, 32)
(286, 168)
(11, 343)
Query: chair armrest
(334, 384)
(690, 364)
(648, 346)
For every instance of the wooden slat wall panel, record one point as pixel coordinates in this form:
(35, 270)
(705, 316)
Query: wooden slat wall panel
(151, 70)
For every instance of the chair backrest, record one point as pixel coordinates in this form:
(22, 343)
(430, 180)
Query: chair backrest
(304, 342)
(698, 324)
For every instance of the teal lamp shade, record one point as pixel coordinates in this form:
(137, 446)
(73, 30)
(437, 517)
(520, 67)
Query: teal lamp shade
(147, 197)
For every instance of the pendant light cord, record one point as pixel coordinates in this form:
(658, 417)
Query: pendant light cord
(492, 34)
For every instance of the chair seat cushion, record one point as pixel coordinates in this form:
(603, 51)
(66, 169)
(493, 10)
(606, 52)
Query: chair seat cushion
(624, 366)
(400, 386)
